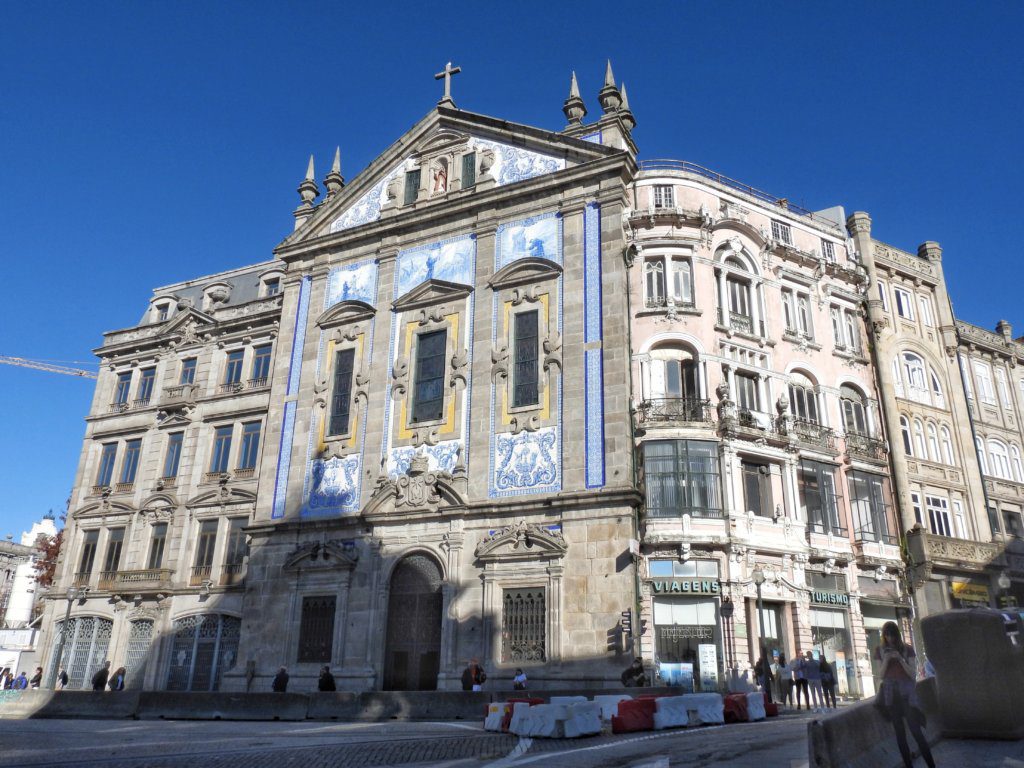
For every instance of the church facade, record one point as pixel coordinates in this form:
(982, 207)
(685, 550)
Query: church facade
(511, 395)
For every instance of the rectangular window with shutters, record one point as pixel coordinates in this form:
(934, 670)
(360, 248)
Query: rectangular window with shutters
(316, 631)
(757, 488)
(819, 499)
(412, 186)
(89, 542)
(107, 459)
(523, 626)
(157, 542)
(428, 390)
(525, 379)
(469, 170)
(341, 397)
(115, 543)
(173, 457)
(250, 445)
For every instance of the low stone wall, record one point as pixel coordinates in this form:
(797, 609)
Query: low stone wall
(859, 737)
(375, 706)
(180, 705)
(19, 705)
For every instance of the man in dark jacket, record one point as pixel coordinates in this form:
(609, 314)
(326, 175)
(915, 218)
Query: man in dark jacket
(280, 684)
(99, 680)
(634, 675)
(326, 680)
(473, 676)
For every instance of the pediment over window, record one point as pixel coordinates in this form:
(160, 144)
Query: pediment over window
(223, 496)
(104, 507)
(525, 271)
(522, 541)
(441, 140)
(344, 313)
(430, 293)
(322, 556)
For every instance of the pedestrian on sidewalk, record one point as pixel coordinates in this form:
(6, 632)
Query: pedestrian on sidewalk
(326, 682)
(62, 680)
(812, 671)
(785, 681)
(99, 680)
(897, 698)
(280, 684)
(20, 682)
(37, 679)
(763, 673)
(519, 681)
(6, 678)
(473, 676)
(117, 680)
(800, 682)
(828, 681)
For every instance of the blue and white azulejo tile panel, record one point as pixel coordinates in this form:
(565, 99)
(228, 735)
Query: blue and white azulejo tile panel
(512, 164)
(441, 457)
(593, 357)
(352, 282)
(527, 462)
(536, 237)
(335, 486)
(593, 138)
(366, 208)
(284, 459)
(451, 260)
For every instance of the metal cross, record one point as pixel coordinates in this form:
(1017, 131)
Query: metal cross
(449, 70)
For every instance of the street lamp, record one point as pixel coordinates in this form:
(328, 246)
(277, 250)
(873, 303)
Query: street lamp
(1004, 586)
(758, 577)
(58, 656)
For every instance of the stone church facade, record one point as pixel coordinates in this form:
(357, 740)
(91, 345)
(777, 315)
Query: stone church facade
(511, 395)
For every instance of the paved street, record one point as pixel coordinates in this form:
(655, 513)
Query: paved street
(177, 744)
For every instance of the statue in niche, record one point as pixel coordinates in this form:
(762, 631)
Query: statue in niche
(440, 178)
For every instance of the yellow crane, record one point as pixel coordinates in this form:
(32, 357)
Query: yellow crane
(41, 365)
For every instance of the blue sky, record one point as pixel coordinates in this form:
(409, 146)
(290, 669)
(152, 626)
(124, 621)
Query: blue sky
(144, 143)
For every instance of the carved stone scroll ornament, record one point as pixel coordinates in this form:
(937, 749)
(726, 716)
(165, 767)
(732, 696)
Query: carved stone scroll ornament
(524, 422)
(429, 315)
(399, 378)
(553, 351)
(499, 362)
(520, 295)
(425, 436)
(460, 367)
(522, 539)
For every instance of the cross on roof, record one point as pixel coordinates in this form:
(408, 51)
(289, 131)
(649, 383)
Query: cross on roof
(449, 70)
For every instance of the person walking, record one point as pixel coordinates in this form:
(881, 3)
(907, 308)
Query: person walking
(326, 681)
(519, 681)
(99, 680)
(785, 679)
(763, 673)
(828, 681)
(800, 682)
(473, 676)
(117, 680)
(812, 672)
(37, 679)
(20, 682)
(897, 698)
(62, 680)
(280, 684)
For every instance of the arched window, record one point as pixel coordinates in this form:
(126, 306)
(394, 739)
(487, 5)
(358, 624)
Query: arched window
(933, 443)
(919, 446)
(803, 400)
(1018, 470)
(908, 446)
(739, 296)
(1000, 459)
(913, 368)
(854, 413)
(937, 399)
(947, 445)
(982, 459)
(674, 373)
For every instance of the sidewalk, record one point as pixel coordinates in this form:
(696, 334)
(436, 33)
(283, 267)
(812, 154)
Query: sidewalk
(957, 753)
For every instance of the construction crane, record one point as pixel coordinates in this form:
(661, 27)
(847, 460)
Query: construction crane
(40, 365)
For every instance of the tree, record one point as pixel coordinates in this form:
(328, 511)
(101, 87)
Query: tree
(49, 550)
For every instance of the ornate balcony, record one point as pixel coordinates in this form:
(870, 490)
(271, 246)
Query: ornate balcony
(200, 573)
(814, 434)
(866, 448)
(244, 473)
(124, 487)
(233, 573)
(261, 383)
(81, 579)
(928, 550)
(229, 387)
(147, 579)
(107, 580)
(179, 396)
(674, 410)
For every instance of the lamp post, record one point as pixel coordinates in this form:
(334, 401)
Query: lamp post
(758, 577)
(1004, 586)
(58, 656)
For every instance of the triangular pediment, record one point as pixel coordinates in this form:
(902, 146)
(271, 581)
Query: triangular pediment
(522, 541)
(524, 272)
(429, 294)
(322, 555)
(222, 496)
(515, 153)
(344, 313)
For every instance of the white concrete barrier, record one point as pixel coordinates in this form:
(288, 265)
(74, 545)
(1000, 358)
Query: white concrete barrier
(704, 708)
(584, 719)
(670, 712)
(520, 716)
(495, 716)
(610, 704)
(755, 706)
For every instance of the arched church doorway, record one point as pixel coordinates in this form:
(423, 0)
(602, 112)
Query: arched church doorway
(412, 655)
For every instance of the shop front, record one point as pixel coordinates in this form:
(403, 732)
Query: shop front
(687, 627)
(879, 603)
(968, 593)
(830, 629)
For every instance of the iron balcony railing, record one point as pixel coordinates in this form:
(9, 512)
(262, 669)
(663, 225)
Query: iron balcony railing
(814, 434)
(865, 447)
(259, 383)
(739, 186)
(674, 409)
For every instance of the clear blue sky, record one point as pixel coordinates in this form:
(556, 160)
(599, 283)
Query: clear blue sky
(144, 143)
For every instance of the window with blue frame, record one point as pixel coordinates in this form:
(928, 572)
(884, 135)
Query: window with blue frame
(146, 382)
(124, 386)
(188, 371)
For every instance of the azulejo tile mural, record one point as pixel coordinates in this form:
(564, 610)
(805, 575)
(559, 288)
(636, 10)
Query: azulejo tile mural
(449, 260)
(443, 456)
(353, 282)
(335, 485)
(366, 208)
(593, 357)
(527, 461)
(536, 237)
(512, 164)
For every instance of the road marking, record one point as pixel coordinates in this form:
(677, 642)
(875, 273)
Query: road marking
(520, 749)
(661, 762)
(468, 727)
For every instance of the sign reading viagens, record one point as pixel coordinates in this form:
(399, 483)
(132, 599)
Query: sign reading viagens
(686, 586)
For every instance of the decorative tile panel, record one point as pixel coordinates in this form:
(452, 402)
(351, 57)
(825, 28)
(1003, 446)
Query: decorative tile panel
(301, 318)
(335, 485)
(450, 260)
(442, 456)
(536, 237)
(284, 459)
(528, 462)
(353, 282)
(593, 357)
(512, 164)
(366, 208)
(593, 138)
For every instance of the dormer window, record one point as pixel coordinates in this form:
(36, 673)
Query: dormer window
(163, 311)
(272, 286)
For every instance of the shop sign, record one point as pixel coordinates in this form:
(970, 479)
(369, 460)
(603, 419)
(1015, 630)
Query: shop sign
(970, 593)
(707, 654)
(823, 597)
(686, 586)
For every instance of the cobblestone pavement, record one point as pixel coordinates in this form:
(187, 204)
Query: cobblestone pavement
(177, 744)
